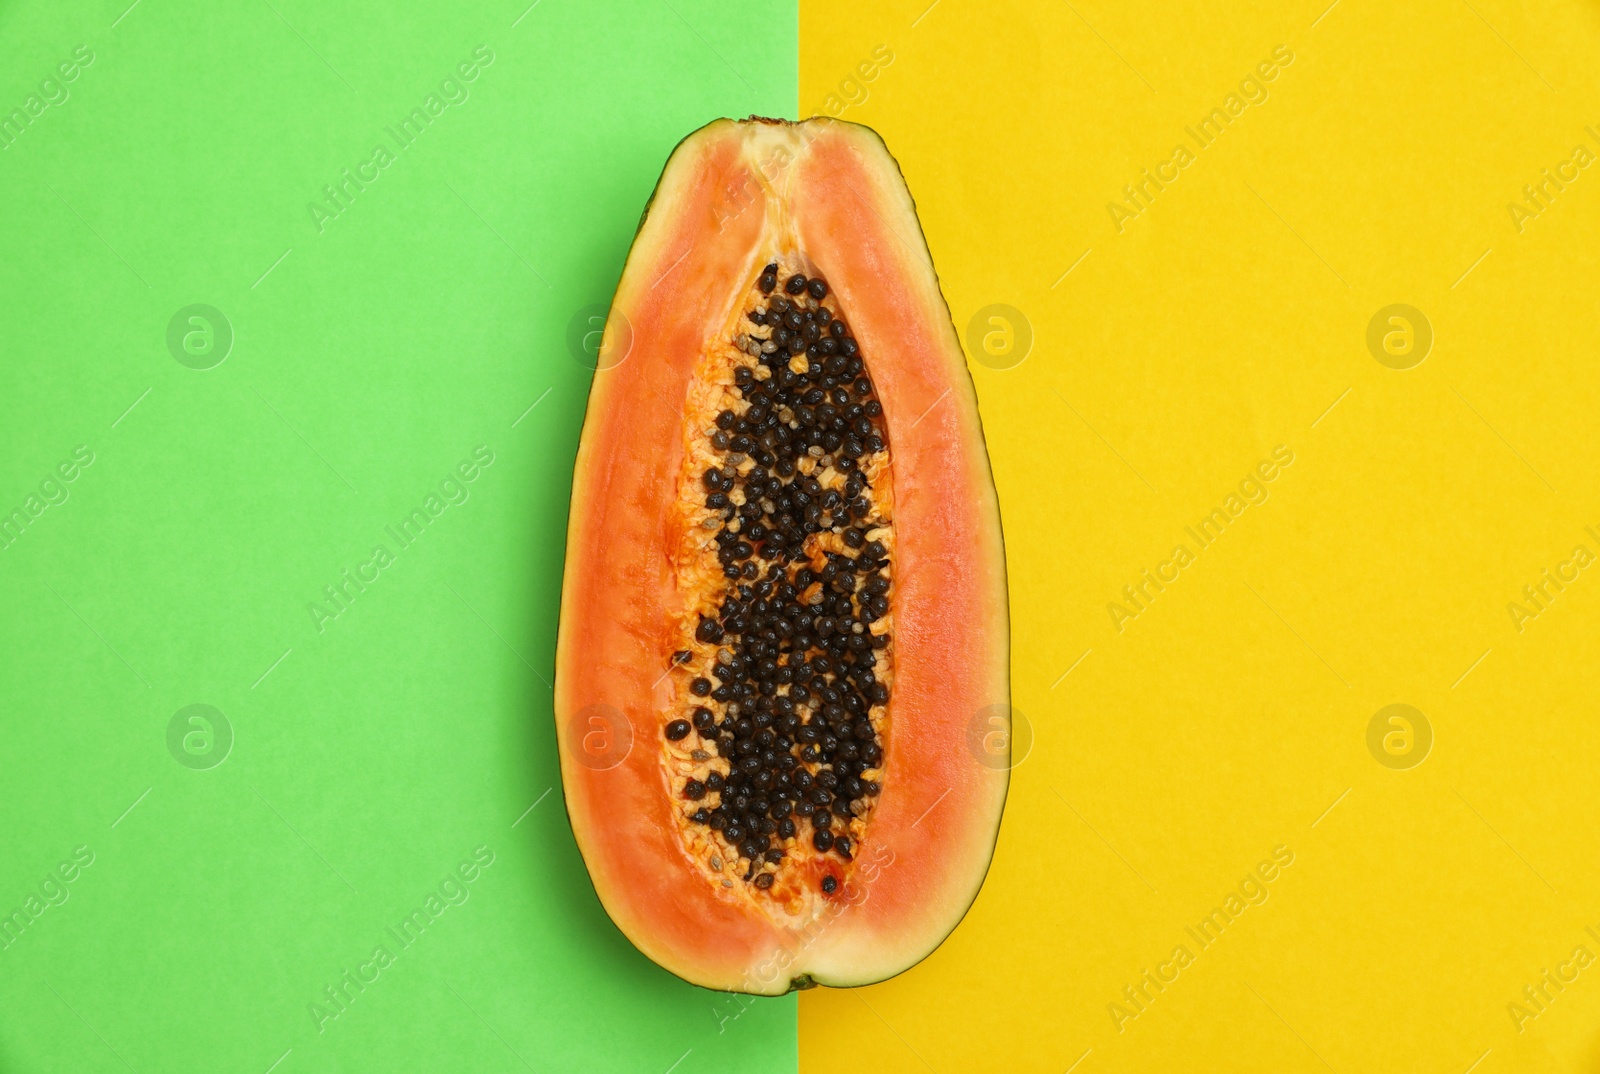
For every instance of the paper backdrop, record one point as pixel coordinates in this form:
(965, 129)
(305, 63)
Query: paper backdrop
(1283, 326)
(1283, 329)
(298, 294)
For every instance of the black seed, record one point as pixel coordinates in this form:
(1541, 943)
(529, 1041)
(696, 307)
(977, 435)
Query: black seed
(818, 289)
(764, 881)
(796, 284)
(700, 687)
(842, 847)
(694, 790)
(822, 839)
(829, 885)
(768, 280)
(677, 729)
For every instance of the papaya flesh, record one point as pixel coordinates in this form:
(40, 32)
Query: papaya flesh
(782, 670)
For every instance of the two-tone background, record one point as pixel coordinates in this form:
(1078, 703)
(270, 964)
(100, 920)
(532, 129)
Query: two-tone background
(1283, 324)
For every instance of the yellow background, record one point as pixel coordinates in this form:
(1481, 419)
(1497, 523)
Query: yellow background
(1231, 714)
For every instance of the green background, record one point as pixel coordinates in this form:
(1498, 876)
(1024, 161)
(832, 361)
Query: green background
(372, 755)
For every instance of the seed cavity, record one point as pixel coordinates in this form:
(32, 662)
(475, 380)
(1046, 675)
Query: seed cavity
(791, 654)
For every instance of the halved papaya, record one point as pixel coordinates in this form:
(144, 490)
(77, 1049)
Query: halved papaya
(782, 673)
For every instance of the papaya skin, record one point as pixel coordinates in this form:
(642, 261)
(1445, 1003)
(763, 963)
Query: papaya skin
(734, 196)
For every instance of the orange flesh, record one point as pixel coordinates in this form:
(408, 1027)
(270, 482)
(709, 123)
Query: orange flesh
(796, 890)
(828, 196)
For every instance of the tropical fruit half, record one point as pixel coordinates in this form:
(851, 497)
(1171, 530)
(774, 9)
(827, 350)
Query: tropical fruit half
(782, 694)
